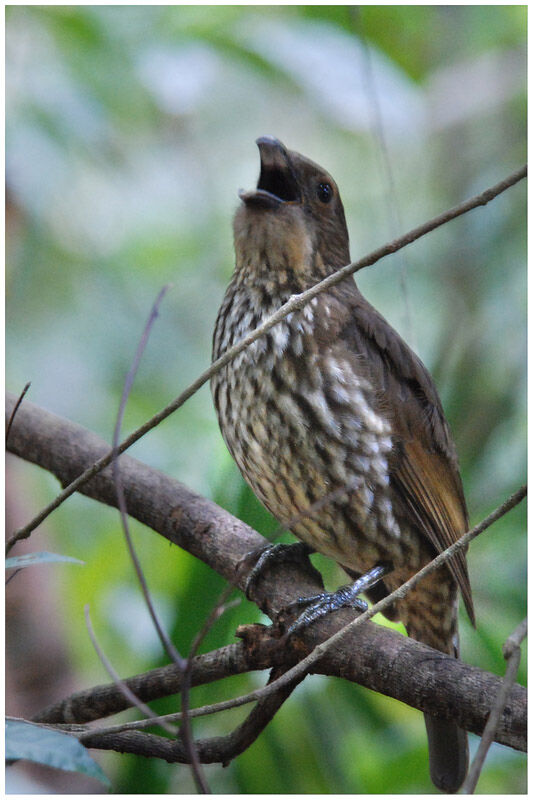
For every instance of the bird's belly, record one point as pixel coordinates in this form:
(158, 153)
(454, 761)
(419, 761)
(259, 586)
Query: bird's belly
(314, 452)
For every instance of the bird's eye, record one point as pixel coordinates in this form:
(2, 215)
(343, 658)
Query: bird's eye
(324, 192)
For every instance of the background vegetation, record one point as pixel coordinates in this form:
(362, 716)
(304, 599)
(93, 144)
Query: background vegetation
(129, 131)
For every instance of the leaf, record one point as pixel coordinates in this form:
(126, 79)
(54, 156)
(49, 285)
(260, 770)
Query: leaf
(29, 559)
(33, 743)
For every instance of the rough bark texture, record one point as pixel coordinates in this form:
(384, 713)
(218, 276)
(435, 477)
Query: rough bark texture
(372, 656)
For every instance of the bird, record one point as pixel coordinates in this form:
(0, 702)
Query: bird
(334, 422)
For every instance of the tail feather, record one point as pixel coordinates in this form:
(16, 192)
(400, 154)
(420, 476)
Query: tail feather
(433, 621)
(448, 753)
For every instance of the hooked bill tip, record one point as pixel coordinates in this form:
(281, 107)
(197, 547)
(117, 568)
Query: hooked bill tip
(270, 141)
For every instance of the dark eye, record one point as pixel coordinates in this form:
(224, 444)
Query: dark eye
(324, 192)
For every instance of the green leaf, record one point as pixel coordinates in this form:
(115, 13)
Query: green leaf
(33, 743)
(29, 559)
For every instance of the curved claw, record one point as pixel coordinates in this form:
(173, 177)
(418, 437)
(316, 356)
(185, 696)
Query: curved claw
(346, 596)
(325, 604)
(270, 554)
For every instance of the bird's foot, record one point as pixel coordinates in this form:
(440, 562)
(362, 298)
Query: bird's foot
(273, 554)
(345, 597)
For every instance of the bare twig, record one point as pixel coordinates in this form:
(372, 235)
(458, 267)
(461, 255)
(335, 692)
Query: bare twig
(8, 580)
(220, 608)
(389, 183)
(226, 748)
(186, 687)
(172, 652)
(126, 737)
(217, 749)
(295, 303)
(15, 409)
(512, 654)
(177, 716)
(128, 383)
(513, 642)
(124, 688)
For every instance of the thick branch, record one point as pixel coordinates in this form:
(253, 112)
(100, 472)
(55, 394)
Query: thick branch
(372, 656)
(107, 699)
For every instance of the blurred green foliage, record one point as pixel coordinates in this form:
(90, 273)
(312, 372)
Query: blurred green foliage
(129, 131)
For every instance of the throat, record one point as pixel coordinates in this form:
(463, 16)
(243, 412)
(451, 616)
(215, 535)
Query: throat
(267, 281)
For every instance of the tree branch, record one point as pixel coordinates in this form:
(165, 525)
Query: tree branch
(216, 749)
(373, 656)
(107, 699)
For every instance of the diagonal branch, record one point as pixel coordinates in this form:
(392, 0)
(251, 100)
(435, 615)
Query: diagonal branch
(103, 701)
(373, 656)
(216, 749)
(296, 303)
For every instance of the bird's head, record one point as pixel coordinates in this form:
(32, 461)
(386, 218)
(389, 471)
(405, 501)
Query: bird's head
(293, 222)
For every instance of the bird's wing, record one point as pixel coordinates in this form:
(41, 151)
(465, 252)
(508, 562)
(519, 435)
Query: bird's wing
(424, 466)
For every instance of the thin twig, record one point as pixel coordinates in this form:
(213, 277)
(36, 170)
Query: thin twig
(16, 408)
(391, 196)
(229, 746)
(295, 303)
(216, 749)
(177, 716)
(8, 580)
(511, 652)
(171, 650)
(220, 608)
(126, 691)
(186, 689)
(128, 383)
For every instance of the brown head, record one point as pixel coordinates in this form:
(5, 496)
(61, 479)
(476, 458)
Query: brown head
(293, 221)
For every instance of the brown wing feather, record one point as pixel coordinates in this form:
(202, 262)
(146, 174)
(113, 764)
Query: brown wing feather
(425, 470)
(424, 480)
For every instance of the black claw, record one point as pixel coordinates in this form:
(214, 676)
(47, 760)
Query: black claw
(345, 597)
(303, 601)
(274, 553)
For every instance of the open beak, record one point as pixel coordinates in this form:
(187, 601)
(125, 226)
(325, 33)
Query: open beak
(277, 183)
